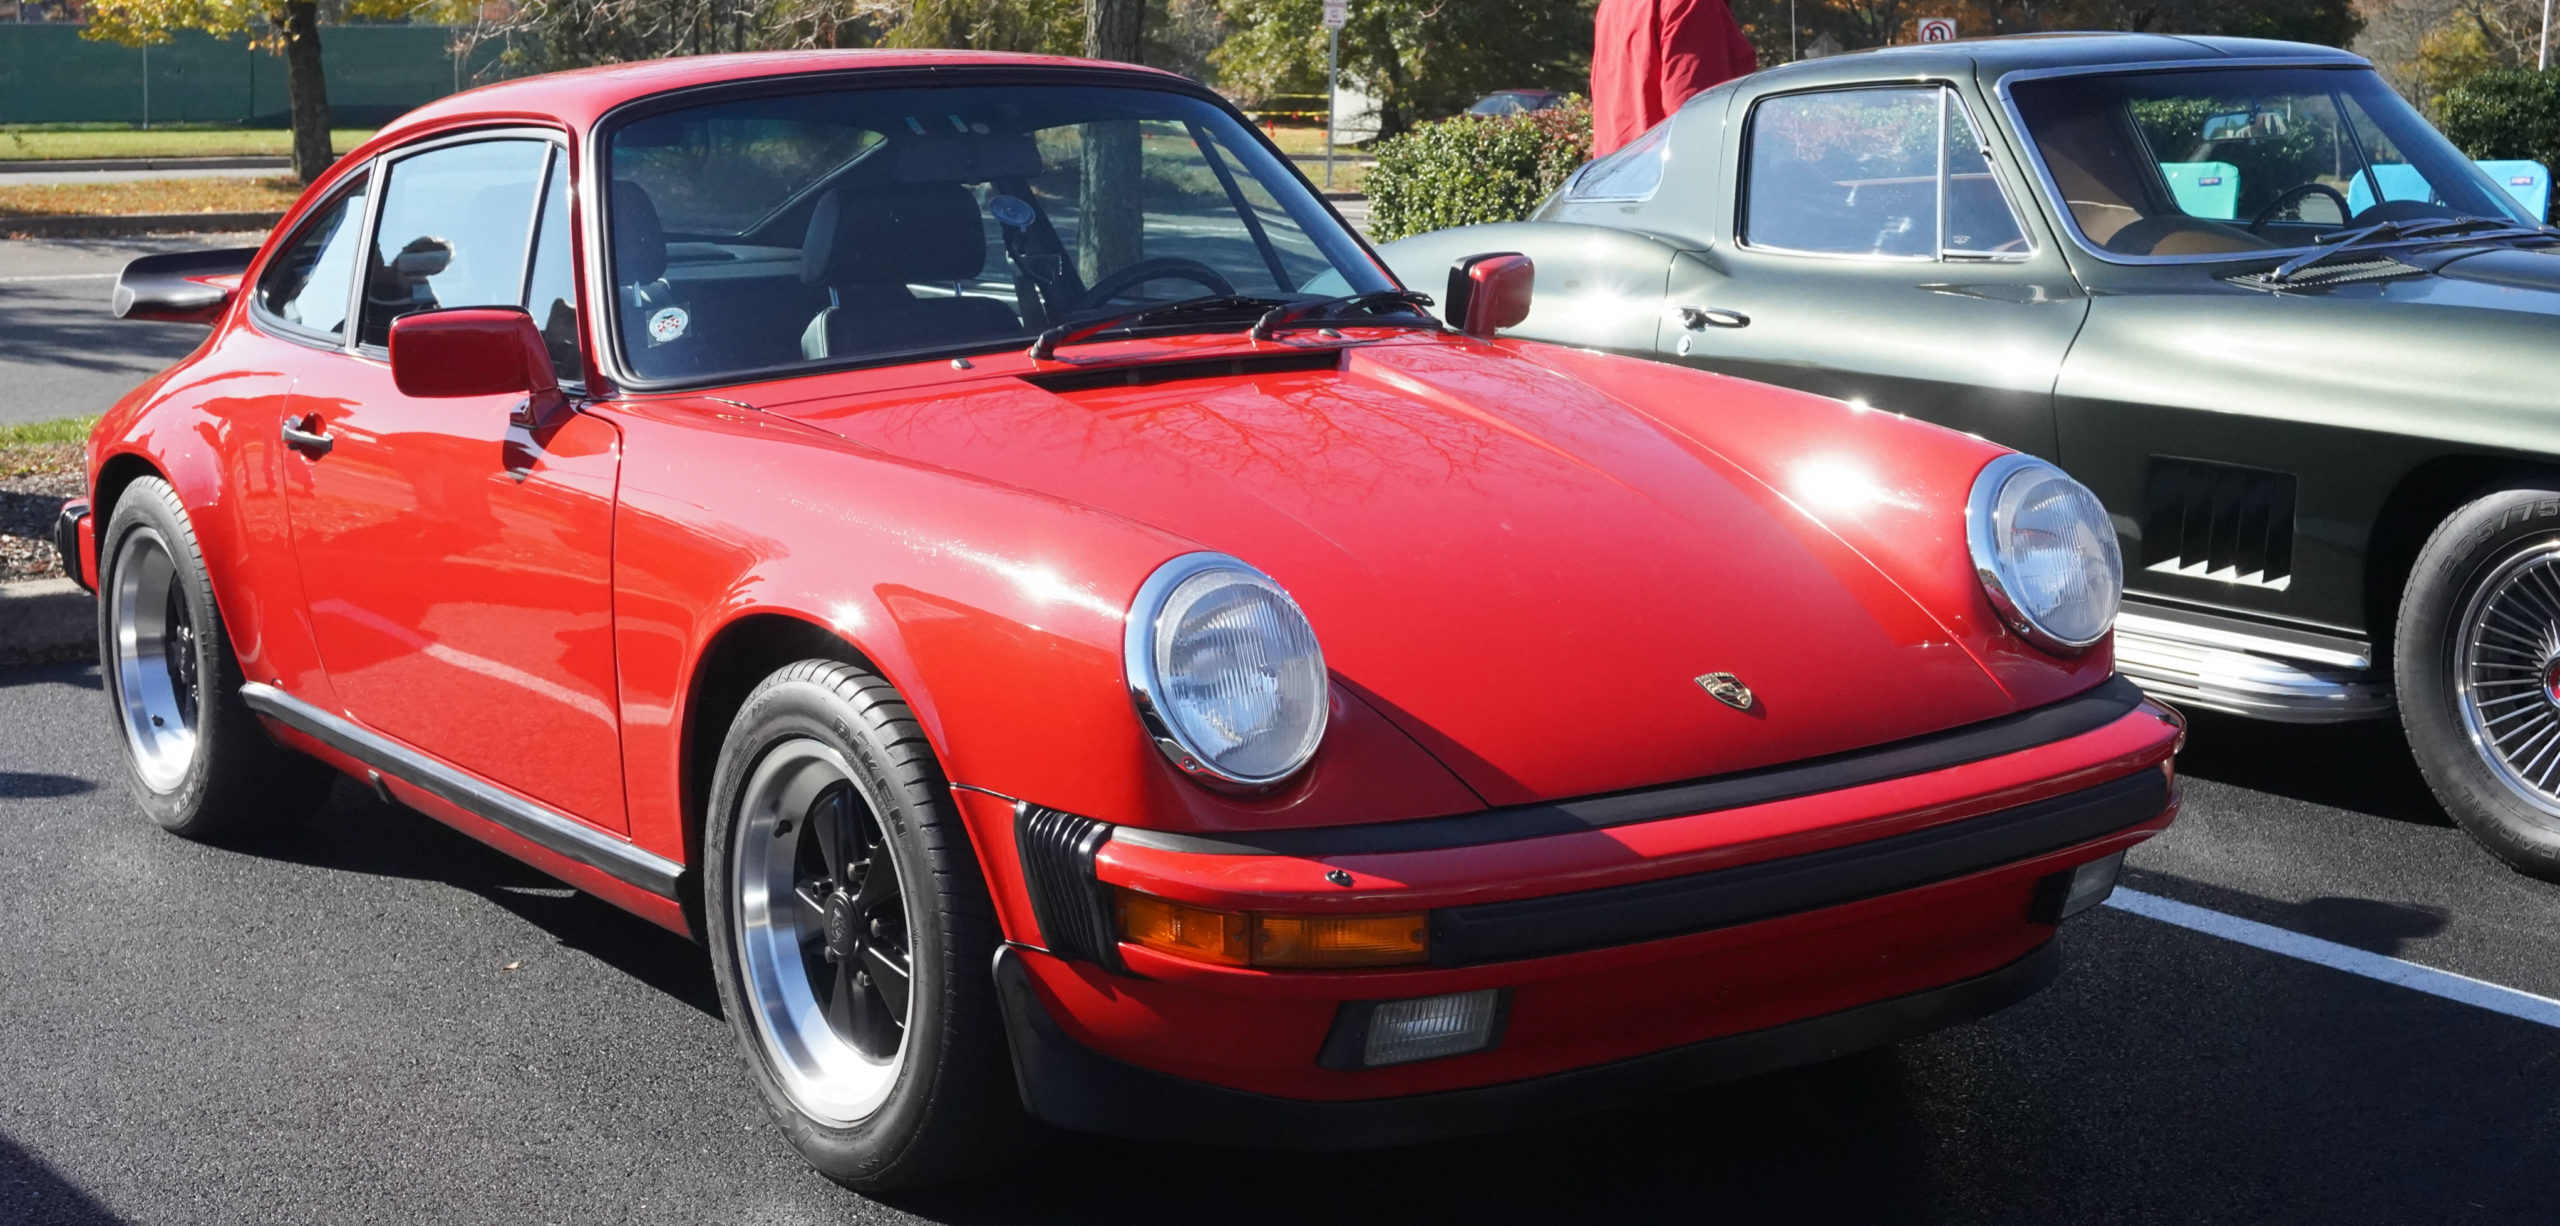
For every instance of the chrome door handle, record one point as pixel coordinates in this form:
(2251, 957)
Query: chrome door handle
(315, 441)
(1700, 318)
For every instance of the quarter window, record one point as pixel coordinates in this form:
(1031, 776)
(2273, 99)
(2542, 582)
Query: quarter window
(310, 283)
(551, 292)
(1897, 172)
(456, 225)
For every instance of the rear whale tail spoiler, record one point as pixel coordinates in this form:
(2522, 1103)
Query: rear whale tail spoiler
(188, 287)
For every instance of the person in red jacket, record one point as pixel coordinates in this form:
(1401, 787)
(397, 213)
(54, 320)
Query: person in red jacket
(1649, 56)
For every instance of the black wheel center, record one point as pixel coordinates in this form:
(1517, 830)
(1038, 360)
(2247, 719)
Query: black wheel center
(843, 926)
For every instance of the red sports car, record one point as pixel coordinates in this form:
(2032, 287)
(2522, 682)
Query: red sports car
(977, 541)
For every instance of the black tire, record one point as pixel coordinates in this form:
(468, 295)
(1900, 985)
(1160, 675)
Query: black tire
(950, 1109)
(235, 782)
(2475, 546)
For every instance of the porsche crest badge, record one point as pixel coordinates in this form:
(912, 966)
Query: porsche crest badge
(1728, 689)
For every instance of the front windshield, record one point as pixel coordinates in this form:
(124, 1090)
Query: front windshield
(851, 225)
(2241, 161)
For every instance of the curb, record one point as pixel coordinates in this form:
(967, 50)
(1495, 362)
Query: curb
(31, 166)
(43, 620)
(129, 224)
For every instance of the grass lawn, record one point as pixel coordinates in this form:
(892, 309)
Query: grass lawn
(84, 141)
(39, 467)
(43, 433)
(1305, 140)
(224, 195)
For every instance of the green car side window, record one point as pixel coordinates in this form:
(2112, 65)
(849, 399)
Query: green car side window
(1897, 172)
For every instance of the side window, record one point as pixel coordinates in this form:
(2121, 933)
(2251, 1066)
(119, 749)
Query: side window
(309, 283)
(456, 223)
(1629, 174)
(1979, 221)
(551, 293)
(1848, 172)
(1898, 172)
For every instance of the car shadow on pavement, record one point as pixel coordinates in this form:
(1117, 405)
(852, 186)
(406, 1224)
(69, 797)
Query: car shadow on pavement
(2368, 924)
(2362, 767)
(32, 1193)
(357, 833)
(36, 785)
(1829, 1142)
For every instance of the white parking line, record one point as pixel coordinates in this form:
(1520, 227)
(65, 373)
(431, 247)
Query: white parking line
(59, 276)
(2346, 958)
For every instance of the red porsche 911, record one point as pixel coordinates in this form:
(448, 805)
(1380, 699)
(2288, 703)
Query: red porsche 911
(976, 541)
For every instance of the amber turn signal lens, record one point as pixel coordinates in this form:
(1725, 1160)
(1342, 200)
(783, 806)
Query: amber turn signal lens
(1304, 942)
(1184, 931)
(1339, 940)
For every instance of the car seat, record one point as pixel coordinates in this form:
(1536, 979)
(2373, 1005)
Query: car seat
(870, 246)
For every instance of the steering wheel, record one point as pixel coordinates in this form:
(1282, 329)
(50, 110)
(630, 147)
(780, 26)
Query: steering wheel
(2258, 224)
(1114, 283)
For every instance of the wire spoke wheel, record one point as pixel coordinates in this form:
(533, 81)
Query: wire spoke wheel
(822, 932)
(2507, 686)
(153, 645)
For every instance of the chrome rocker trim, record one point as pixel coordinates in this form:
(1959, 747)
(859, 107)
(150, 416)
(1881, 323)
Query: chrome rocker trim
(547, 828)
(2245, 674)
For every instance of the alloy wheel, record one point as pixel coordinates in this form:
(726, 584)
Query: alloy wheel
(2507, 684)
(156, 662)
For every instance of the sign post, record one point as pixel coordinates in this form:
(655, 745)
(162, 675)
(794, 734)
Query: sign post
(1336, 12)
(1937, 29)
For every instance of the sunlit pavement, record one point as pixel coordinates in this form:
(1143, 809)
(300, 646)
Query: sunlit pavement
(326, 1029)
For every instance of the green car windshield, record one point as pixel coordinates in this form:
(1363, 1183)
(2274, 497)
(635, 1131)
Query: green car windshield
(846, 225)
(2232, 162)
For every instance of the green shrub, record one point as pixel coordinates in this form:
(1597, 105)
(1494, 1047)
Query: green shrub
(2509, 114)
(1471, 169)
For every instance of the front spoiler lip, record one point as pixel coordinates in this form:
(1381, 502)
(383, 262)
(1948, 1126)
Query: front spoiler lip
(1066, 1084)
(66, 541)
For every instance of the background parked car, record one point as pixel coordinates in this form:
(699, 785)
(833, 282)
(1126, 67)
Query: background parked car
(2302, 348)
(1515, 101)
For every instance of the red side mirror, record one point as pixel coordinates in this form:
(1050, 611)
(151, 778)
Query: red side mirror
(1488, 293)
(472, 351)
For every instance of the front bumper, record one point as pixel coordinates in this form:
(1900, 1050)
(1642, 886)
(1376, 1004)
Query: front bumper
(69, 530)
(1848, 899)
(1069, 1085)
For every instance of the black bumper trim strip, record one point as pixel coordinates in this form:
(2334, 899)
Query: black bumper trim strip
(1072, 1086)
(551, 830)
(2085, 712)
(1723, 898)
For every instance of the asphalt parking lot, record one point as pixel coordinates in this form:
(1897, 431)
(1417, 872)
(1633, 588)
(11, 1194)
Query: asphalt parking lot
(374, 1018)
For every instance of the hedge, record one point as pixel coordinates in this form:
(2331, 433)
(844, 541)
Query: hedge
(1473, 169)
(2513, 113)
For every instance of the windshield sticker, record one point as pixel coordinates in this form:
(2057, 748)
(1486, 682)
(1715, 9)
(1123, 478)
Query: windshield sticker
(668, 324)
(1010, 210)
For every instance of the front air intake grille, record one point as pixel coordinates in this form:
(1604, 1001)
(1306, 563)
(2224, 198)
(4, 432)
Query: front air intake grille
(1074, 908)
(2218, 521)
(2327, 274)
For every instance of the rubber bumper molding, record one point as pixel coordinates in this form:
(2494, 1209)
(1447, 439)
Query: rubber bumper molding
(1071, 1086)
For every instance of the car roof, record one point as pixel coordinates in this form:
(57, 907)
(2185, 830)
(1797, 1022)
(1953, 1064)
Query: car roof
(579, 96)
(1998, 57)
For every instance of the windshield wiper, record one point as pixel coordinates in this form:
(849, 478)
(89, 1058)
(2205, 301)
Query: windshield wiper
(2388, 234)
(1046, 347)
(1300, 314)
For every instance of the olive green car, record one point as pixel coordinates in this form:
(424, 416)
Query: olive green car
(2305, 351)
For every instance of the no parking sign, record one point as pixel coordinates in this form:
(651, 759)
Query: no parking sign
(1937, 29)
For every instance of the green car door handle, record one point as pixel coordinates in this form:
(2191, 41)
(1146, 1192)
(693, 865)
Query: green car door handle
(1700, 318)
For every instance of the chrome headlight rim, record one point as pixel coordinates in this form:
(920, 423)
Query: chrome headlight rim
(1147, 685)
(1982, 538)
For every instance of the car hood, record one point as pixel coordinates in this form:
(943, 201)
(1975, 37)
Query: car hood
(1521, 570)
(2511, 268)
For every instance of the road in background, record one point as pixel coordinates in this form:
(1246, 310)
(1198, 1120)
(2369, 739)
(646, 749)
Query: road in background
(61, 353)
(373, 1018)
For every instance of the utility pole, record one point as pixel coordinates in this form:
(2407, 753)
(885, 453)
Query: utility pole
(2544, 63)
(1336, 12)
(146, 87)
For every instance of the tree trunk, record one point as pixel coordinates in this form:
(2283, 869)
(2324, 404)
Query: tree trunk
(306, 89)
(1110, 226)
(1111, 29)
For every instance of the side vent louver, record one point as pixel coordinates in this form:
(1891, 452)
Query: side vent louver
(2218, 521)
(1074, 909)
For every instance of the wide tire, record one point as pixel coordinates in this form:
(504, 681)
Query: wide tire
(2478, 672)
(195, 756)
(825, 782)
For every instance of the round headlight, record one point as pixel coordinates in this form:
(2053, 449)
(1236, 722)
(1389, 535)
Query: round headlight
(2046, 552)
(1225, 671)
